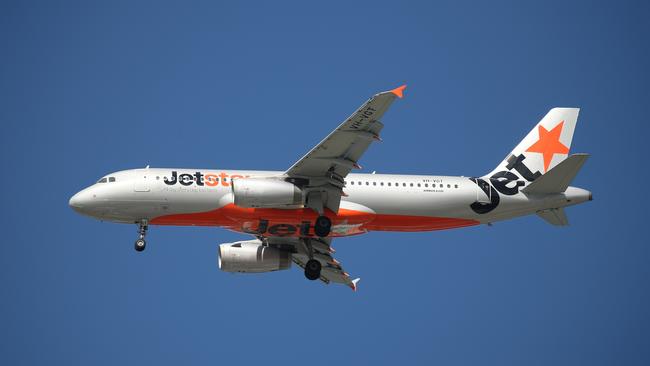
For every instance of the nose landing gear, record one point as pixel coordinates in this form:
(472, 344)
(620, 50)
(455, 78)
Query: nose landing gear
(140, 244)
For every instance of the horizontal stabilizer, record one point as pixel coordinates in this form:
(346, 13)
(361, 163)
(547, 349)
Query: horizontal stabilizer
(554, 216)
(557, 180)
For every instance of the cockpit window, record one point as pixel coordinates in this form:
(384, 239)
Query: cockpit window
(103, 180)
(111, 179)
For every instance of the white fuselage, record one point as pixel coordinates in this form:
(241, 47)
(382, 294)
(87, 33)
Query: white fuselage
(403, 201)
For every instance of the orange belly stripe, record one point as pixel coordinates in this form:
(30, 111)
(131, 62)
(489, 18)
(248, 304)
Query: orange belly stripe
(297, 222)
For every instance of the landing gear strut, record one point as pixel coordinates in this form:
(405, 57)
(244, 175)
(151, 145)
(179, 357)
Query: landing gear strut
(322, 226)
(140, 244)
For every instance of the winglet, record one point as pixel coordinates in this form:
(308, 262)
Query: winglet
(353, 286)
(399, 91)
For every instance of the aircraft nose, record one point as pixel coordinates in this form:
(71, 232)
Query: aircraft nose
(79, 200)
(75, 202)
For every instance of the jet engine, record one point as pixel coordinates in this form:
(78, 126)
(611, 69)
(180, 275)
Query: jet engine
(265, 192)
(251, 256)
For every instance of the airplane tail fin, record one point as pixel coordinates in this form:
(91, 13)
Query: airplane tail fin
(545, 146)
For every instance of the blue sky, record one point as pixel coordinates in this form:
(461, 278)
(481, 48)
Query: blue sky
(89, 88)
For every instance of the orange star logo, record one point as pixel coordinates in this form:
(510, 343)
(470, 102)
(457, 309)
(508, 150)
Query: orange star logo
(549, 144)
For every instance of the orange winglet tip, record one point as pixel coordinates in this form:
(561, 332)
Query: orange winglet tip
(399, 91)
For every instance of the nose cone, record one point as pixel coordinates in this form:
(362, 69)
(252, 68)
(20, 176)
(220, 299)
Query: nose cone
(74, 201)
(80, 201)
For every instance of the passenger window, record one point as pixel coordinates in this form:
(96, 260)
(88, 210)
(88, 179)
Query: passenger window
(448, 185)
(440, 185)
(352, 183)
(367, 183)
(359, 182)
(419, 185)
(389, 184)
(382, 184)
(103, 180)
(111, 179)
(374, 183)
(455, 185)
(403, 184)
(426, 185)
(411, 184)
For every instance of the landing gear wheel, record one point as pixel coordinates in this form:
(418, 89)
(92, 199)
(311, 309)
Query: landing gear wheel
(322, 226)
(140, 244)
(312, 269)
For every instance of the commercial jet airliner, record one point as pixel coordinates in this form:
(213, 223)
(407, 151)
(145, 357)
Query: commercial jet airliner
(294, 215)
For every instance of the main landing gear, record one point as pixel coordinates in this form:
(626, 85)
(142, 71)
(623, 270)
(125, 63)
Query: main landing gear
(322, 226)
(313, 266)
(312, 269)
(140, 244)
(315, 200)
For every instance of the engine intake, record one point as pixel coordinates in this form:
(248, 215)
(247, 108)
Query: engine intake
(265, 192)
(253, 257)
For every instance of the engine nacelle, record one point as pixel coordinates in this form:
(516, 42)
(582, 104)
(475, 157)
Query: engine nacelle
(251, 256)
(265, 192)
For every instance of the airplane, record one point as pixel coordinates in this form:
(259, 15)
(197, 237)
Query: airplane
(294, 215)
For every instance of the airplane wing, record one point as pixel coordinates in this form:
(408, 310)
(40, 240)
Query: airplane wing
(331, 271)
(329, 162)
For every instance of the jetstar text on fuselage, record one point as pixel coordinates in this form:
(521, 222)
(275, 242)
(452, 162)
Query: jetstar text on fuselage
(200, 179)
